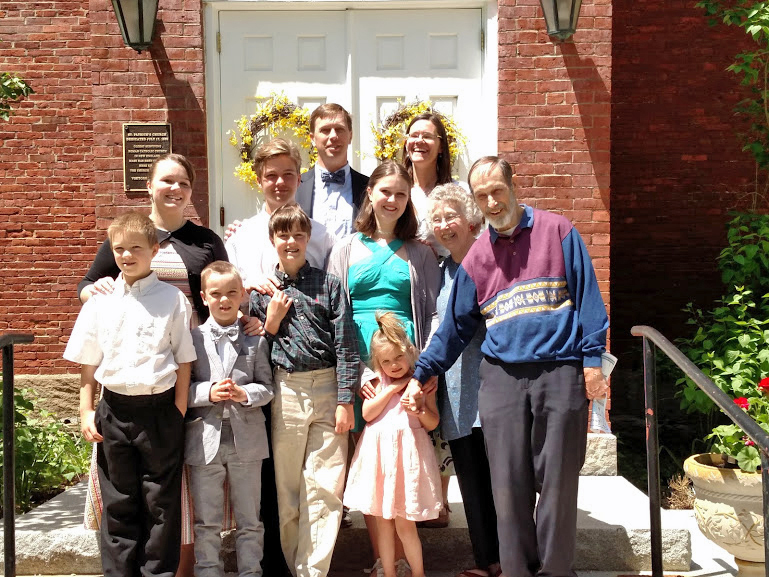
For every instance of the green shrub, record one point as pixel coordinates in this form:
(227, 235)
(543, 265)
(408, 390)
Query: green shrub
(49, 454)
(730, 343)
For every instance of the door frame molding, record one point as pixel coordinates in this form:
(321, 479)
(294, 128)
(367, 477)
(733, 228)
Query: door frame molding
(212, 74)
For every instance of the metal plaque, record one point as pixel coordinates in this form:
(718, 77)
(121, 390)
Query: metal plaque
(142, 144)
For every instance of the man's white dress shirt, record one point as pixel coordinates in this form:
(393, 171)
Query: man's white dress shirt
(332, 203)
(249, 248)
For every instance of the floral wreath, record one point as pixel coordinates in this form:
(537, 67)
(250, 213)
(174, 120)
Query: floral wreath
(391, 133)
(275, 115)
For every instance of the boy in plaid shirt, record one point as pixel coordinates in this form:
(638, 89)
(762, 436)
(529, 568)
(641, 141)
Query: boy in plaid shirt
(314, 351)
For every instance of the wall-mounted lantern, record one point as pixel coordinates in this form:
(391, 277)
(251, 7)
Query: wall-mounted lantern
(561, 17)
(136, 19)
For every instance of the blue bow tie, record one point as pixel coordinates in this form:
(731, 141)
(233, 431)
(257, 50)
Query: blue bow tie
(337, 177)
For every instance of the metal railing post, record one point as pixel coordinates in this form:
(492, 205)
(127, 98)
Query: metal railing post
(652, 457)
(765, 496)
(9, 461)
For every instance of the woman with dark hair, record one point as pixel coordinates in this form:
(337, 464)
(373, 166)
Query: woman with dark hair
(185, 250)
(185, 247)
(384, 268)
(427, 159)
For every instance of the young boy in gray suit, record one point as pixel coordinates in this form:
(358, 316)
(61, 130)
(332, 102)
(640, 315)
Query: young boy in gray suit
(226, 436)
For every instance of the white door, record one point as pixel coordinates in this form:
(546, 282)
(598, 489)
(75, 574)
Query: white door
(417, 55)
(364, 60)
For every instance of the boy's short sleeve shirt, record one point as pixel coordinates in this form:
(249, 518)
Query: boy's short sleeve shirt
(137, 336)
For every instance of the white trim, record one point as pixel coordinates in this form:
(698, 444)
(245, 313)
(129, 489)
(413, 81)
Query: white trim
(212, 9)
(491, 75)
(212, 79)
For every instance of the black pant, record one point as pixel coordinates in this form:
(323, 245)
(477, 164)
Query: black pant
(472, 467)
(534, 418)
(140, 472)
(273, 562)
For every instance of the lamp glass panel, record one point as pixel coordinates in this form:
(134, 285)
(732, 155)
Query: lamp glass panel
(569, 14)
(548, 7)
(130, 10)
(117, 5)
(150, 11)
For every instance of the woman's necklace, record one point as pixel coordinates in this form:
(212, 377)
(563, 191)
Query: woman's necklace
(384, 237)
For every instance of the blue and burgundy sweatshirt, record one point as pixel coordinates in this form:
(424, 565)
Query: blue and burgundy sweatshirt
(537, 293)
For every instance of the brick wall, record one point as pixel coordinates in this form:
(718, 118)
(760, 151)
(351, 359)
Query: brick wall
(46, 189)
(554, 117)
(61, 154)
(676, 168)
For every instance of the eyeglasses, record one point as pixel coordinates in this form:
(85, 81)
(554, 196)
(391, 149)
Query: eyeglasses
(448, 218)
(426, 136)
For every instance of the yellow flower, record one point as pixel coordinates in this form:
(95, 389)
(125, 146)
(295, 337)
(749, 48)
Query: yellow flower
(274, 115)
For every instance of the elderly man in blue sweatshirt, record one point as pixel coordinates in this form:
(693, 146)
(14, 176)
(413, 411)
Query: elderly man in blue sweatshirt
(529, 277)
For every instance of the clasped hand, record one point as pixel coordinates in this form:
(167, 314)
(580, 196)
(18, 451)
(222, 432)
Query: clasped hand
(227, 390)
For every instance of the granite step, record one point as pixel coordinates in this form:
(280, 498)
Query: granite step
(613, 535)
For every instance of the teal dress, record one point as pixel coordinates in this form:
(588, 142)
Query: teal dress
(378, 283)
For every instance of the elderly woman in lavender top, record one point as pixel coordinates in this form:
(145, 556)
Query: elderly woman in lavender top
(456, 221)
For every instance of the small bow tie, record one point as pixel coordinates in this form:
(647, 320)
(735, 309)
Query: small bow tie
(230, 332)
(337, 177)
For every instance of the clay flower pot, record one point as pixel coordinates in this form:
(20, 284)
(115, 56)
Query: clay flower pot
(728, 506)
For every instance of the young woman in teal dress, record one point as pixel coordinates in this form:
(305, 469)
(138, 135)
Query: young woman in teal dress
(384, 268)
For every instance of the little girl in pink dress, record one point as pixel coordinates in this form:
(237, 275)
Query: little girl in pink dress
(394, 476)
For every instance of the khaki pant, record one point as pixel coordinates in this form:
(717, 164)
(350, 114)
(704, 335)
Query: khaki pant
(310, 460)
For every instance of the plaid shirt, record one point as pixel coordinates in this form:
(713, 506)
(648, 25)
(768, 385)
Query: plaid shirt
(317, 331)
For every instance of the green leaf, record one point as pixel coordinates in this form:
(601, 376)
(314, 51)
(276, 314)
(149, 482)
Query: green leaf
(748, 459)
(744, 340)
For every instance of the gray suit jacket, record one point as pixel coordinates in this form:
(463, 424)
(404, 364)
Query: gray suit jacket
(305, 194)
(251, 370)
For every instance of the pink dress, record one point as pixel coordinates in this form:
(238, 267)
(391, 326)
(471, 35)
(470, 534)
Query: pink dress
(394, 472)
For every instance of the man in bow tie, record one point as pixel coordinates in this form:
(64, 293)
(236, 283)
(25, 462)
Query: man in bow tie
(331, 192)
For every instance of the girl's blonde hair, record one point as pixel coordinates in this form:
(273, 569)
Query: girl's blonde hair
(391, 333)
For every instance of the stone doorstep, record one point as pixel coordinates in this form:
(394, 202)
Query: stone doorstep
(612, 535)
(601, 455)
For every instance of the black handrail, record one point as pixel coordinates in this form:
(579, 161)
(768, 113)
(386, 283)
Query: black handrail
(9, 462)
(722, 400)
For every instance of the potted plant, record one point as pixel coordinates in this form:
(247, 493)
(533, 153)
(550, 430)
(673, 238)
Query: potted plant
(730, 345)
(731, 342)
